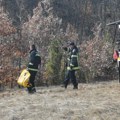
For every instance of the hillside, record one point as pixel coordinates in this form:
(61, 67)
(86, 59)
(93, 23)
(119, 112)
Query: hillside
(51, 25)
(44, 21)
(99, 101)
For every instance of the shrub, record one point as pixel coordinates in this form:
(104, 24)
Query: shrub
(53, 66)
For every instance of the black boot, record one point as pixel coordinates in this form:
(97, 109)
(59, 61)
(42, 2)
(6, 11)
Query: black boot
(33, 89)
(75, 87)
(30, 90)
(65, 86)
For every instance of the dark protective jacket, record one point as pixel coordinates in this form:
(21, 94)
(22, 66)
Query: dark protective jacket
(33, 60)
(72, 63)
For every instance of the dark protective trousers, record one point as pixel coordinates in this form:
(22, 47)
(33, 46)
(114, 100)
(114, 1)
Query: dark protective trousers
(32, 80)
(70, 76)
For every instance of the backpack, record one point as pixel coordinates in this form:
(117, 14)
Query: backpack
(37, 59)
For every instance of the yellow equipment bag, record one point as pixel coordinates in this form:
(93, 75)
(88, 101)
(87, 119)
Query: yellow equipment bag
(23, 80)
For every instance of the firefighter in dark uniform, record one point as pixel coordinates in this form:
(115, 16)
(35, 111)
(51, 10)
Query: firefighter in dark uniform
(72, 65)
(34, 62)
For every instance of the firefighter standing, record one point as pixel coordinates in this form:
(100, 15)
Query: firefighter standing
(72, 65)
(34, 62)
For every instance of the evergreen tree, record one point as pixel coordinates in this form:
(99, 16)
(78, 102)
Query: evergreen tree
(53, 66)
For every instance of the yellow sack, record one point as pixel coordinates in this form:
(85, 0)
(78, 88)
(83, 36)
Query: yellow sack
(23, 80)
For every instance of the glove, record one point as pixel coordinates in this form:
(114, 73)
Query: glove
(30, 64)
(71, 66)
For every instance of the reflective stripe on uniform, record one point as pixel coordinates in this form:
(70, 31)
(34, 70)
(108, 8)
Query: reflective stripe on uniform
(74, 68)
(68, 68)
(30, 63)
(68, 59)
(74, 56)
(71, 65)
(33, 69)
(37, 55)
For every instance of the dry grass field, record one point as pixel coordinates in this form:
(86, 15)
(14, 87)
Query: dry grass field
(99, 101)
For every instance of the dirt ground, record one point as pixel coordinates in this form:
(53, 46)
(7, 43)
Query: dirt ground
(100, 101)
